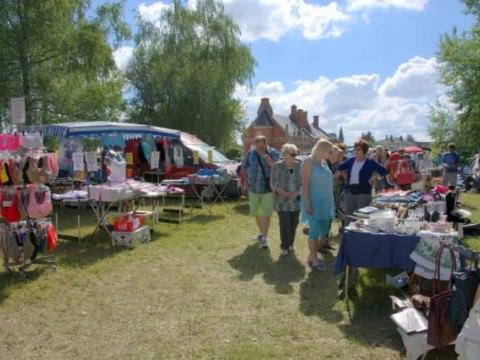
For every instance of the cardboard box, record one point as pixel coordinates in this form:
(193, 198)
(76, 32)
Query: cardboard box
(131, 239)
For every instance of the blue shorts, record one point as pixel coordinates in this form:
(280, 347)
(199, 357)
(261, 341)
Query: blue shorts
(318, 228)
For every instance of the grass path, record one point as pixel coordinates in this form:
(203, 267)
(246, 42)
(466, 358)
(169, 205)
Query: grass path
(200, 290)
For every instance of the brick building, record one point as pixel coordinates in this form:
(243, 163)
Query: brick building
(279, 129)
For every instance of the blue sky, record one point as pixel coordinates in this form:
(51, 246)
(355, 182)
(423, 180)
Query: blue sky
(360, 64)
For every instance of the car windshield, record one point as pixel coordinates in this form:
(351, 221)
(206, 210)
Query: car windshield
(202, 149)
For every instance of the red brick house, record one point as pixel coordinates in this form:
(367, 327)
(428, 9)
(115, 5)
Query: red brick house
(279, 129)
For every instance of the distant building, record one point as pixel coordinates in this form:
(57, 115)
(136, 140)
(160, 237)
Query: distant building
(279, 129)
(394, 143)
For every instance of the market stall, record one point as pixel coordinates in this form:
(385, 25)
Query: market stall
(413, 232)
(102, 159)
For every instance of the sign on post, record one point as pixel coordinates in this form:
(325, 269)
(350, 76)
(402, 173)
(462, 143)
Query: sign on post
(17, 110)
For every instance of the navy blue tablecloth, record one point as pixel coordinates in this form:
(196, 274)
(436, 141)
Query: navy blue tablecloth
(378, 251)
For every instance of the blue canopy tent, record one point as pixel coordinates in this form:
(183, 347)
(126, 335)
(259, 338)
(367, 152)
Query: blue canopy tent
(102, 128)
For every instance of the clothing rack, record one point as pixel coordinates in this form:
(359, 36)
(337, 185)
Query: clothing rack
(28, 225)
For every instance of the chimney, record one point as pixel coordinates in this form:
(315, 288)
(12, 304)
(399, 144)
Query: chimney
(316, 121)
(293, 110)
(265, 105)
(301, 119)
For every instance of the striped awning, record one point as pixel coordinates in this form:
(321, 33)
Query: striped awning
(102, 128)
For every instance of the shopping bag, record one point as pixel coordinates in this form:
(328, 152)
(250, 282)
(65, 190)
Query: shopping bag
(440, 331)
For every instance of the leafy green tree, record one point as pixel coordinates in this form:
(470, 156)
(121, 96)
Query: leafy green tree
(442, 128)
(60, 59)
(185, 69)
(368, 136)
(459, 56)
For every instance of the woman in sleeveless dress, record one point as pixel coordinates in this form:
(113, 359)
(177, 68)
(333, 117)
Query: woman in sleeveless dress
(318, 201)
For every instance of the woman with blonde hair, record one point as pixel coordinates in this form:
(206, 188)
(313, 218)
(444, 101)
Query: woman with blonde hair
(318, 201)
(286, 195)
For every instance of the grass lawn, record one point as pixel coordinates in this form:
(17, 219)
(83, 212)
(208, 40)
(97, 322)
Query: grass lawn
(199, 290)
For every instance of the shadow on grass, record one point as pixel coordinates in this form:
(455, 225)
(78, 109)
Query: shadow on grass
(318, 295)
(283, 272)
(15, 280)
(252, 261)
(241, 208)
(370, 308)
(205, 218)
(87, 252)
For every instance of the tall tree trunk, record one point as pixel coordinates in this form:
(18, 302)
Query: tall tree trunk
(25, 62)
(27, 90)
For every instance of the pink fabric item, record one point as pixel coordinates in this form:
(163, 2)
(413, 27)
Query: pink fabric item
(10, 142)
(39, 204)
(440, 189)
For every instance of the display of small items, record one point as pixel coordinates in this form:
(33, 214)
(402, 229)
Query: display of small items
(27, 232)
(129, 230)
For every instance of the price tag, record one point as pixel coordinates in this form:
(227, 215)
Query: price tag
(77, 158)
(154, 160)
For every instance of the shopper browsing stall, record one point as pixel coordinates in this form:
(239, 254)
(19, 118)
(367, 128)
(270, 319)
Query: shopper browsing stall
(286, 195)
(318, 201)
(450, 164)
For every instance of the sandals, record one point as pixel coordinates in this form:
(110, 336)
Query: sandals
(321, 265)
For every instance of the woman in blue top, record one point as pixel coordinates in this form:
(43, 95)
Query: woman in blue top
(360, 170)
(318, 202)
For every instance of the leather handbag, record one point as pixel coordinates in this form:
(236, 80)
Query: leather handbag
(440, 331)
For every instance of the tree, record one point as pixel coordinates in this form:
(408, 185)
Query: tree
(60, 59)
(459, 56)
(368, 136)
(185, 69)
(442, 128)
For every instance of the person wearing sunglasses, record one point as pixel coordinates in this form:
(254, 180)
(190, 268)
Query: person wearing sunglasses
(286, 195)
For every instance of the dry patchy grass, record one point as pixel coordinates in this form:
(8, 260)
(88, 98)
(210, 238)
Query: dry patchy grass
(200, 290)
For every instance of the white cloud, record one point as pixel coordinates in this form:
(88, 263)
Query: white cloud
(153, 11)
(122, 56)
(416, 78)
(359, 102)
(354, 5)
(272, 19)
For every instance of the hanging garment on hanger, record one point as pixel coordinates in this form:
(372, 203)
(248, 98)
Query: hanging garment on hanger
(9, 208)
(118, 168)
(52, 238)
(33, 172)
(4, 178)
(39, 203)
(10, 142)
(53, 164)
(32, 141)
